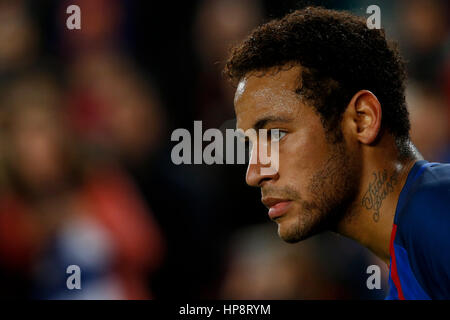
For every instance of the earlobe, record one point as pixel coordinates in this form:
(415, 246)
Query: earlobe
(367, 116)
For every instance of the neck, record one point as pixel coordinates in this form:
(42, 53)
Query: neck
(371, 217)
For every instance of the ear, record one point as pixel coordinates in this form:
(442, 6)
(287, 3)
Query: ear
(364, 112)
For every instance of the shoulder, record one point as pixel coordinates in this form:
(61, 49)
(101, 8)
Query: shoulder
(428, 202)
(424, 227)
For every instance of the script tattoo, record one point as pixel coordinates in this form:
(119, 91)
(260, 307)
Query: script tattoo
(378, 190)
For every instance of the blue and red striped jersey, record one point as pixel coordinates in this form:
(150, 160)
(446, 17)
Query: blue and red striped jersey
(420, 240)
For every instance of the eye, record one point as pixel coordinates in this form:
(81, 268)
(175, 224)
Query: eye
(276, 134)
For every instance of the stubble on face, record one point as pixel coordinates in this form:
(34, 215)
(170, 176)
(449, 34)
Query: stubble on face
(331, 192)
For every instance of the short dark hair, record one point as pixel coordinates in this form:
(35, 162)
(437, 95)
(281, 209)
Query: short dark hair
(340, 56)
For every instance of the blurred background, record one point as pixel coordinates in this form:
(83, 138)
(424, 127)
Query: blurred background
(86, 176)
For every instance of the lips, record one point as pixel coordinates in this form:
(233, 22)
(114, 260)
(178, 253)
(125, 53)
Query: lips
(277, 207)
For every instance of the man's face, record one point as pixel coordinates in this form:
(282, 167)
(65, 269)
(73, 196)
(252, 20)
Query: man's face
(316, 178)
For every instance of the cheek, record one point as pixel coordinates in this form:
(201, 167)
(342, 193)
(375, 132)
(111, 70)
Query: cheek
(301, 156)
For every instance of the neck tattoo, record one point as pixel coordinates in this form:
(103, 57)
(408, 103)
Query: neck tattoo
(378, 190)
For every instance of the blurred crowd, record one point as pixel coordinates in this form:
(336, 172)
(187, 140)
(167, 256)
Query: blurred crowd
(85, 171)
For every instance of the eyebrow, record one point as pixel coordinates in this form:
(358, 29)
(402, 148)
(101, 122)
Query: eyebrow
(261, 123)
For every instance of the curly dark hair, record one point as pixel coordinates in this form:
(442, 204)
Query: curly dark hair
(339, 54)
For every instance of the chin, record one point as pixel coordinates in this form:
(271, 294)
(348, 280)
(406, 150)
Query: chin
(292, 230)
(288, 230)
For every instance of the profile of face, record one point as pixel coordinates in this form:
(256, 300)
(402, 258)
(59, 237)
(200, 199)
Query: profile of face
(317, 175)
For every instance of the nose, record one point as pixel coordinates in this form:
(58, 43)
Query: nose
(258, 173)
